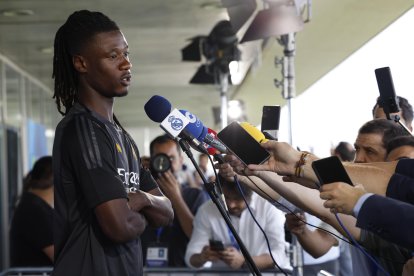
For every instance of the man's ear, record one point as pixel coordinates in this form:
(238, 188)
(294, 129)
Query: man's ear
(79, 63)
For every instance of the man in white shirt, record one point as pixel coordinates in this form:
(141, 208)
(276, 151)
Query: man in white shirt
(209, 225)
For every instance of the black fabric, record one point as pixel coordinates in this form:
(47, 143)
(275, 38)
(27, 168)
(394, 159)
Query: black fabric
(31, 231)
(173, 236)
(401, 188)
(94, 161)
(390, 256)
(390, 219)
(405, 167)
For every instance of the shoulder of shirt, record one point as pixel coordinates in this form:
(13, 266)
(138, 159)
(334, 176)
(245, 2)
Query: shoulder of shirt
(77, 114)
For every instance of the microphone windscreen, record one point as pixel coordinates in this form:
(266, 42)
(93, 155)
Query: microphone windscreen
(254, 132)
(195, 126)
(157, 108)
(203, 134)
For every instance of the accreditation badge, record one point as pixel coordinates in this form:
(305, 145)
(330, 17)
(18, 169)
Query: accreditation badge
(157, 255)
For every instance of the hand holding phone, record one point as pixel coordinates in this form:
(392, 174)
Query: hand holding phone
(329, 170)
(216, 245)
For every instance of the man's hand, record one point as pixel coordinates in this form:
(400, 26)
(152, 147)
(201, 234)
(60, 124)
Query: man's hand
(294, 224)
(209, 255)
(232, 257)
(341, 197)
(169, 185)
(408, 269)
(283, 159)
(227, 172)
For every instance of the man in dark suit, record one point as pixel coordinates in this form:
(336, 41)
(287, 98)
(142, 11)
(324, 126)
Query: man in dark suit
(394, 214)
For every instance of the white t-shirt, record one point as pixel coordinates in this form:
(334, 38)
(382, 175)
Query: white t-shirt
(209, 224)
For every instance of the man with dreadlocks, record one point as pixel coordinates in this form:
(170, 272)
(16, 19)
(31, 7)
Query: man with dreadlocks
(103, 197)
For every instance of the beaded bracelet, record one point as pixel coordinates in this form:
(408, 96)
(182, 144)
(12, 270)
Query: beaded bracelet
(299, 171)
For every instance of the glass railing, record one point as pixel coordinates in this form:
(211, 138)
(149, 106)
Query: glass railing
(165, 271)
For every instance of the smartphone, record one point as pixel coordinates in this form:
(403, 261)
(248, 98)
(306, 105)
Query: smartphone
(329, 170)
(387, 91)
(216, 245)
(270, 121)
(242, 144)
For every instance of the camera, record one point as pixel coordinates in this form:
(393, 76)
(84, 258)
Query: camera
(159, 163)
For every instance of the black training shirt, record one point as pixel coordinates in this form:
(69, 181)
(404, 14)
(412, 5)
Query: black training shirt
(94, 161)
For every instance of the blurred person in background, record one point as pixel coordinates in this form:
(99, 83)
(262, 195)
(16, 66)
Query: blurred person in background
(345, 151)
(210, 225)
(171, 240)
(406, 112)
(31, 230)
(400, 147)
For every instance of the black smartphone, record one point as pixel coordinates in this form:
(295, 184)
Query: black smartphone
(329, 170)
(270, 121)
(242, 144)
(216, 245)
(387, 92)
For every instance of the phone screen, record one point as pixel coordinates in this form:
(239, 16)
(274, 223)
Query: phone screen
(216, 245)
(242, 144)
(329, 170)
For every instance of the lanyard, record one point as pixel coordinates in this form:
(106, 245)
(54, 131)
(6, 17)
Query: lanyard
(233, 240)
(159, 232)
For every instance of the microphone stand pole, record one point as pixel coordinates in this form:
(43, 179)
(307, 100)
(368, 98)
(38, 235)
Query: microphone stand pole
(210, 187)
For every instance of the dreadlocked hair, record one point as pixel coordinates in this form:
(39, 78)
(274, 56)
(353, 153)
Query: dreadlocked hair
(75, 33)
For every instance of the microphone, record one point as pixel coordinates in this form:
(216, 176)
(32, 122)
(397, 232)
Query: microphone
(157, 108)
(270, 121)
(173, 122)
(211, 140)
(388, 97)
(190, 127)
(254, 132)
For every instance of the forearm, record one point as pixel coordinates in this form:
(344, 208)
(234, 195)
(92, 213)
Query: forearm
(156, 209)
(315, 242)
(136, 224)
(197, 260)
(263, 261)
(259, 186)
(118, 222)
(309, 201)
(159, 212)
(183, 214)
(373, 176)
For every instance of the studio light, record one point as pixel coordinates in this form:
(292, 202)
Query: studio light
(234, 110)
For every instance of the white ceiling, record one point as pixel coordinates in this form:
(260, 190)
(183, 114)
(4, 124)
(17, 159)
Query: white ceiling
(157, 30)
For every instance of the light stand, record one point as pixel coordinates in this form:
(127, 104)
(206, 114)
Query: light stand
(288, 92)
(223, 88)
(288, 72)
(210, 187)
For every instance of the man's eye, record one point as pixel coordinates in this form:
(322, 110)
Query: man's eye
(113, 56)
(126, 54)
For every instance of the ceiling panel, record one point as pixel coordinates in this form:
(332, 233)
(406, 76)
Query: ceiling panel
(157, 30)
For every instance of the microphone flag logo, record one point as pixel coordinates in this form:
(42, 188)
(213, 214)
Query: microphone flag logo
(176, 123)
